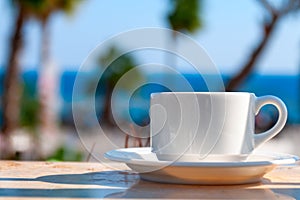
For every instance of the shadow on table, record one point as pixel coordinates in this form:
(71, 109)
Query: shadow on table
(145, 189)
(120, 184)
(115, 182)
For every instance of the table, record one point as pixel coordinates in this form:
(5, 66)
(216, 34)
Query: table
(71, 180)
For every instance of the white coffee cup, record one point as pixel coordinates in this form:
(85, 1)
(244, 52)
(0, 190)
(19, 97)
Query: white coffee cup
(186, 125)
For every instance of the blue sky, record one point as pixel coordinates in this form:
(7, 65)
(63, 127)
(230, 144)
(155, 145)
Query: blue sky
(231, 30)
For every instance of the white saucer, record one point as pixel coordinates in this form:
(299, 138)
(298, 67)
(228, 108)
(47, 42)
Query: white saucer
(204, 172)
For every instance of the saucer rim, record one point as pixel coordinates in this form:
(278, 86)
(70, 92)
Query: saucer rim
(275, 159)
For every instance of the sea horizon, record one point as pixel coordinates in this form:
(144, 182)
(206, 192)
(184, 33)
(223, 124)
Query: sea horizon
(284, 86)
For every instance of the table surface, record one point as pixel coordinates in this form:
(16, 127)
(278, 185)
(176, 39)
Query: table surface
(70, 180)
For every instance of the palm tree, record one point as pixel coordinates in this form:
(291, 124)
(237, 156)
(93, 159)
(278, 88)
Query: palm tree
(184, 17)
(273, 16)
(24, 9)
(114, 71)
(12, 89)
(42, 12)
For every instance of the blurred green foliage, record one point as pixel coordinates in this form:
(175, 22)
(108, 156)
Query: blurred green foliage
(184, 15)
(29, 107)
(66, 154)
(43, 9)
(112, 65)
(115, 65)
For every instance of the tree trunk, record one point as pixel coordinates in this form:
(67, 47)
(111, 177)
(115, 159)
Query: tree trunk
(171, 58)
(12, 89)
(250, 64)
(45, 44)
(107, 113)
(43, 82)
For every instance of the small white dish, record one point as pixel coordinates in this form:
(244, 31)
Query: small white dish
(205, 172)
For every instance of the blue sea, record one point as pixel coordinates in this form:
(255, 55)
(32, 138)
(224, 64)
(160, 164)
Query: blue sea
(286, 87)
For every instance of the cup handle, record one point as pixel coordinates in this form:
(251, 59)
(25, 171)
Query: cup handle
(267, 135)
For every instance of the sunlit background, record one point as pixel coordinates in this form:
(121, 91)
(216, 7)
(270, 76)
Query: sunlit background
(255, 45)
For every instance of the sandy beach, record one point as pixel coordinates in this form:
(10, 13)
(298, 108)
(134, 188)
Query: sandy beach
(100, 142)
(93, 143)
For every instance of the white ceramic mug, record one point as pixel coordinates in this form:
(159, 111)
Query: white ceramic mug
(188, 124)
